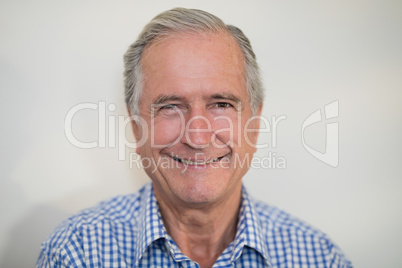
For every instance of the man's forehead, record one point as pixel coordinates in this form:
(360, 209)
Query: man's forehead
(194, 67)
(173, 41)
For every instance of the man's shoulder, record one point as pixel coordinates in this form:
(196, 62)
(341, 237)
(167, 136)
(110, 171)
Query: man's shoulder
(107, 219)
(274, 218)
(289, 237)
(119, 210)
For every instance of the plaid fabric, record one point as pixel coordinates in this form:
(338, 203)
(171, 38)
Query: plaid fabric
(128, 231)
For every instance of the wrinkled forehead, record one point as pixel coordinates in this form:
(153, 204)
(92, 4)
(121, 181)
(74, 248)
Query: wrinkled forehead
(192, 63)
(222, 42)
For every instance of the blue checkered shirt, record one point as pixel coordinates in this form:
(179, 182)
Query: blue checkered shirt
(128, 231)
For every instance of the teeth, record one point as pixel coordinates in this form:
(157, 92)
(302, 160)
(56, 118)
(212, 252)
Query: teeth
(189, 162)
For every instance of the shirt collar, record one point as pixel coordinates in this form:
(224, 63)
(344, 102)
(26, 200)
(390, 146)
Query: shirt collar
(151, 228)
(249, 231)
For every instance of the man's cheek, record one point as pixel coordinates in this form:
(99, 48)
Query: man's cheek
(166, 132)
(225, 131)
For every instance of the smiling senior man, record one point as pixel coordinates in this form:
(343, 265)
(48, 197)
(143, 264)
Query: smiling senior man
(193, 91)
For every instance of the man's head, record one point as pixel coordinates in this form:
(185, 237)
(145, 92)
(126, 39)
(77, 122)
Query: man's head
(181, 20)
(193, 82)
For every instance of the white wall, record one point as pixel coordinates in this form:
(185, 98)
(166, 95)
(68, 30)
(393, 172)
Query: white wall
(57, 54)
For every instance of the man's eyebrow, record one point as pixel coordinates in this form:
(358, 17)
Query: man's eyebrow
(225, 96)
(161, 99)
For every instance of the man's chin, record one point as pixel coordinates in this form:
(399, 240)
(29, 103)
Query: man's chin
(200, 189)
(198, 196)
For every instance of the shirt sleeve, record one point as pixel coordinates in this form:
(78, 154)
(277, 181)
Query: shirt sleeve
(337, 258)
(42, 261)
(62, 249)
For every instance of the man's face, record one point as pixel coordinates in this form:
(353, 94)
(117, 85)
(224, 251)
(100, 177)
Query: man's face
(195, 106)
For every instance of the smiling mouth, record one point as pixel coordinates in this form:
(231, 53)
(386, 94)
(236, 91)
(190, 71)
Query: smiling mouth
(197, 163)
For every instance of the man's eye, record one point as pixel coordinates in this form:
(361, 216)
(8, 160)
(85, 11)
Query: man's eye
(223, 105)
(169, 107)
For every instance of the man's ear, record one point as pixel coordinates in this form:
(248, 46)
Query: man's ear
(137, 129)
(258, 113)
(254, 127)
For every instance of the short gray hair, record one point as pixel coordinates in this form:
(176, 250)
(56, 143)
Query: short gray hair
(182, 20)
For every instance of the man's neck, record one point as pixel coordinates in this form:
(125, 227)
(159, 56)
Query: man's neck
(203, 233)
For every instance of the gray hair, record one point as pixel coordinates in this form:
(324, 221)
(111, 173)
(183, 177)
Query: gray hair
(182, 20)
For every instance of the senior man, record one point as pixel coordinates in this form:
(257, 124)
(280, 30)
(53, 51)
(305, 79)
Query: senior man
(193, 91)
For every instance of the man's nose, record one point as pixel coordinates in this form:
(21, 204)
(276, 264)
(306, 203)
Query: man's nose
(198, 131)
